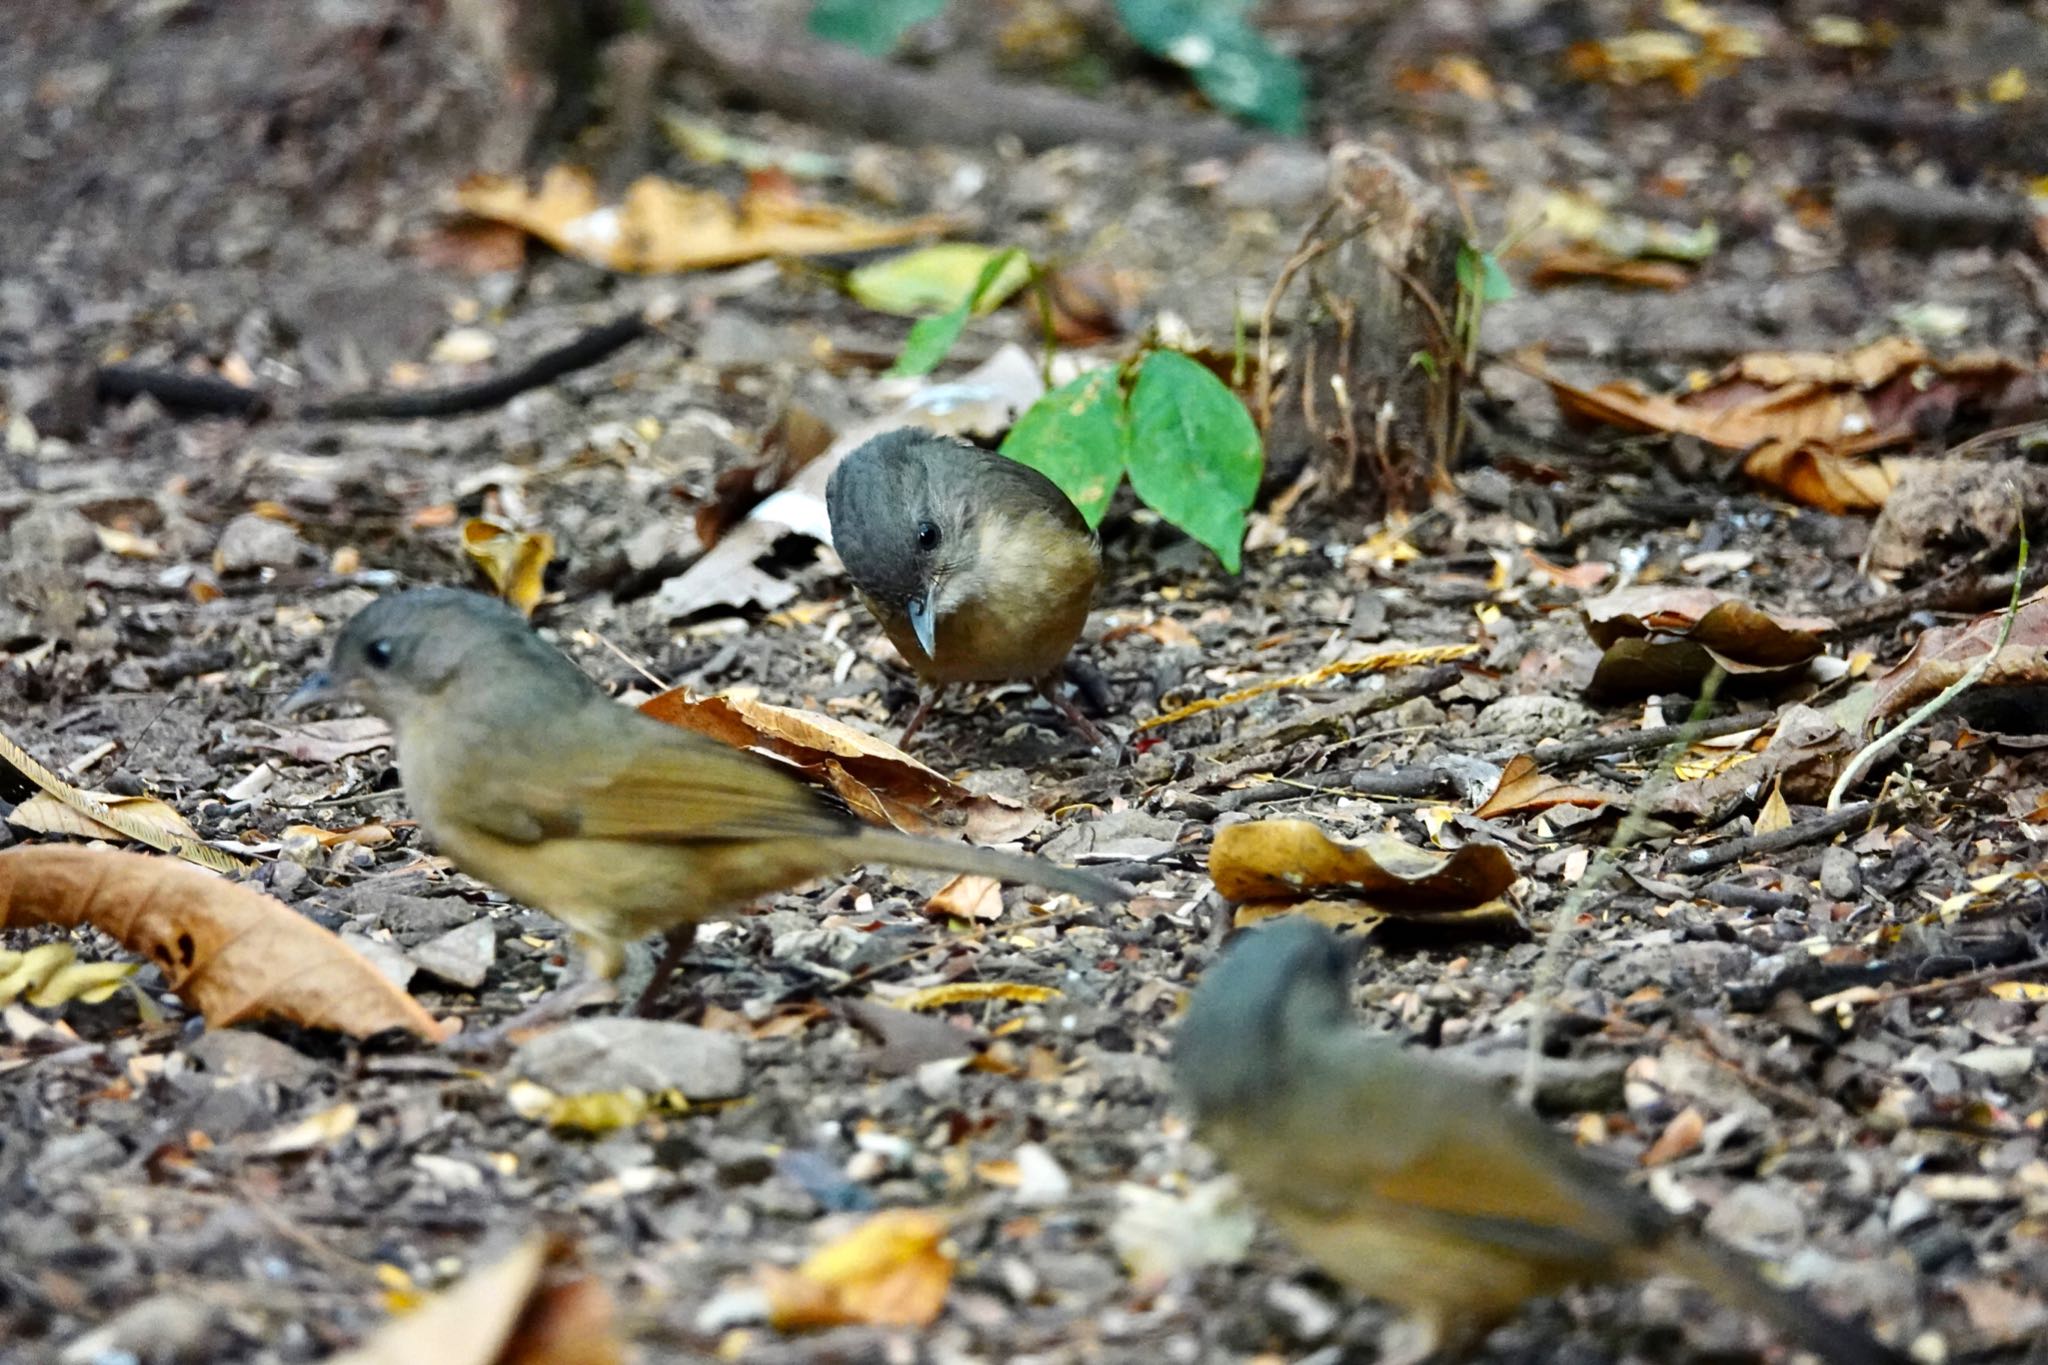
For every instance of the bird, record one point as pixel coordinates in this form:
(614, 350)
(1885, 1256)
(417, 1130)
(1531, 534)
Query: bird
(529, 777)
(978, 568)
(1416, 1184)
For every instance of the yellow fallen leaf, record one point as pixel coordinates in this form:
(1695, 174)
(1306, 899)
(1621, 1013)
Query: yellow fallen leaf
(969, 992)
(1775, 815)
(515, 561)
(894, 1270)
(2032, 992)
(50, 974)
(323, 1129)
(662, 227)
(142, 831)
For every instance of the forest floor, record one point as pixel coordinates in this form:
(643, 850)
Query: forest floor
(259, 191)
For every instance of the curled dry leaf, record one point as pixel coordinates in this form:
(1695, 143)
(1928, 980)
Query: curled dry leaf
(45, 814)
(1659, 639)
(882, 784)
(662, 227)
(507, 1313)
(229, 951)
(1810, 420)
(1292, 859)
(514, 561)
(1525, 789)
(894, 1270)
(1943, 655)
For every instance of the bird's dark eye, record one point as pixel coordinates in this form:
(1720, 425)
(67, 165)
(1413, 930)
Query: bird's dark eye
(377, 653)
(927, 535)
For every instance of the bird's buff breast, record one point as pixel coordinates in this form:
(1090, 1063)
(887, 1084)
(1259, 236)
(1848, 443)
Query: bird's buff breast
(1015, 615)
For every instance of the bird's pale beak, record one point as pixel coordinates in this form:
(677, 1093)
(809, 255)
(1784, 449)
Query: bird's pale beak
(923, 624)
(314, 691)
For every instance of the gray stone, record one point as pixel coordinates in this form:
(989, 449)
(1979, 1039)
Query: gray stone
(1763, 1219)
(463, 956)
(595, 1055)
(166, 1327)
(2000, 1063)
(51, 533)
(1530, 720)
(1841, 877)
(1276, 176)
(250, 542)
(239, 1055)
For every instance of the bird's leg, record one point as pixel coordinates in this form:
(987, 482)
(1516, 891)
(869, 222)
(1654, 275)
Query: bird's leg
(1049, 688)
(674, 946)
(591, 984)
(927, 697)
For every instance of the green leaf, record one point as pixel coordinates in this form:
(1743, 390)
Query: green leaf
(873, 26)
(931, 279)
(1231, 61)
(1079, 437)
(1195, 455)
(931, 338)
(1480, 275)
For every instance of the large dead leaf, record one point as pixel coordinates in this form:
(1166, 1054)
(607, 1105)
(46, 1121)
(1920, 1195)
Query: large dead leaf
(508, 1313)
(1809, 419)
(1658, 638)
(662, 227)
(147, 825)
(882, 784)
(1263, 860)
(894, 1270)
(46, 814)
(229, 951)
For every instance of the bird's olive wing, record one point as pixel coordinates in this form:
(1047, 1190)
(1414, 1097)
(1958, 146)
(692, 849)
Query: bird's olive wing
(655, 784)
(1382, 1126)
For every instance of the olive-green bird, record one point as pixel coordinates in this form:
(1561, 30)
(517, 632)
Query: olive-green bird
(529, 777)
(1415, 1183)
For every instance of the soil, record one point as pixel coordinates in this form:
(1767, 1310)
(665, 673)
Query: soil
(199, 182)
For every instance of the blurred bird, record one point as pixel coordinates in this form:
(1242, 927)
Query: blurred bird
(1416, 1184)
(978, 568)
(530, 778)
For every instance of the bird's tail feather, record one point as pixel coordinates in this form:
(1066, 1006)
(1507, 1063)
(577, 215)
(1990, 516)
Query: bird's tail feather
(1737, 1282)
(943, 855)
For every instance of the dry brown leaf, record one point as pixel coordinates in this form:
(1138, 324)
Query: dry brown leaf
(507, 1313)
(372, 835)
(882, 784)
(229, 951)
(1942, 655)
(1681, 1137)
(1291, 859)
(661, 227)
(894, 1270)
(514, 561)
(1525, 789)
(45, 814)
(1571, 264)
(142, 831)
(968, 897)
(1658, 638)
(973, 992)
(328, 741)
(1806, 418)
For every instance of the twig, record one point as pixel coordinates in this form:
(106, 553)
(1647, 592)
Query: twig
(202, 395)
(1793, 836)
(1566, 752)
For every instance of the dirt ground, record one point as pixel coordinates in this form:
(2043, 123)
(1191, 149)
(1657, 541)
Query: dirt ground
(192, 182)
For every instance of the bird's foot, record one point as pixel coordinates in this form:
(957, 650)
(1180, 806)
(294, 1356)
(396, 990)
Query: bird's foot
(552, 1008)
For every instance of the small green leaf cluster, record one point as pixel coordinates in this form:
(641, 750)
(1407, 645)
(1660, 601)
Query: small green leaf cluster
(1191, 449)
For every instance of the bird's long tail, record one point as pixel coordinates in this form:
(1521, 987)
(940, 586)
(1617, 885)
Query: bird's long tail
(910, 850)
(1737, 1282)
